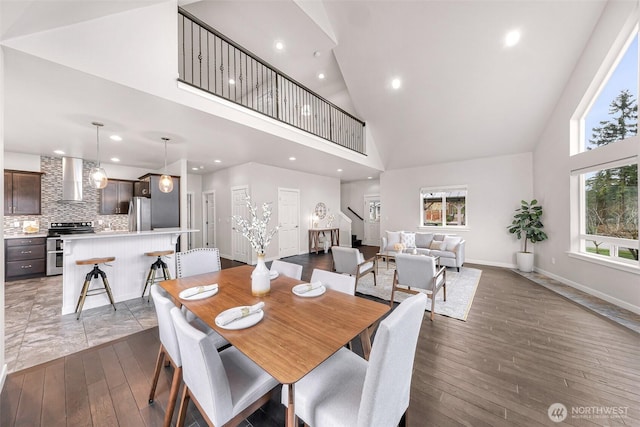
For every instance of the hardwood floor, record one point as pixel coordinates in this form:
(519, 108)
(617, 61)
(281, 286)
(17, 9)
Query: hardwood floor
(521, 349)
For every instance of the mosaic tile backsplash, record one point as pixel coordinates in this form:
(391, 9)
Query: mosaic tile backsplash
(53, 210)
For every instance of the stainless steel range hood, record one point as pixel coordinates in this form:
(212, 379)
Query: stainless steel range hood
(71, 179)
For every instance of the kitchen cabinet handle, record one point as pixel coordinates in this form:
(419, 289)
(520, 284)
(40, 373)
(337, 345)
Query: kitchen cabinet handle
(25, 266)
(25, 252)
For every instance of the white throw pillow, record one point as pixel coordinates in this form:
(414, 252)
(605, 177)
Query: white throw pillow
(393, 237)
(408, 240)
(437, 246)
(451, 242)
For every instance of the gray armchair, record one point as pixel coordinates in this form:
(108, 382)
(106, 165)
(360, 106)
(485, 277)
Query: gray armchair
(419, 271)
(351, 261)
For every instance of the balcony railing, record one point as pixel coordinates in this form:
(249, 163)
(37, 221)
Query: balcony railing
(215, 64)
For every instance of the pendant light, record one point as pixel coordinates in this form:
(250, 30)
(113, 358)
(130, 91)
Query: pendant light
(166, 182)
(97, 175)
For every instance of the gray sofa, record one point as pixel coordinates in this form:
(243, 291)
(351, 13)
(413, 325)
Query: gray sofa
(449, 247)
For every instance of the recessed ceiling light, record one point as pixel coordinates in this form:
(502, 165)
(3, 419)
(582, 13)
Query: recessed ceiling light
(279, 45)
(321, 76)
(396, 83)
(201, 167)
(292, 158)
(58, 152)
(339, 170)
(232, 81)
(217, 161)
(115, 138)
(512, 38)
(316, 53)
(194, 169)
(115, 159)
(369, 177)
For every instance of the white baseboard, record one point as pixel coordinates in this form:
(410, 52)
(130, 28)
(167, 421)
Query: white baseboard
(590, 291)
(3, 376)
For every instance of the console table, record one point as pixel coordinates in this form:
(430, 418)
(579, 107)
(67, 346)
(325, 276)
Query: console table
(314, 237)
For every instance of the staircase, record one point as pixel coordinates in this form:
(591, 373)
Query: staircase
(355, 242)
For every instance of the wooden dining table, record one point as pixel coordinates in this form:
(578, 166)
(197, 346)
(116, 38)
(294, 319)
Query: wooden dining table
(296, 333)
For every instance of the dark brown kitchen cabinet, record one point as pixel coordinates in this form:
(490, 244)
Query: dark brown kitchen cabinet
(22, 192)
(25, 257)
(115, 198)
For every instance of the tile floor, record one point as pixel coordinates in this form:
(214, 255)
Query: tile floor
(36, 332)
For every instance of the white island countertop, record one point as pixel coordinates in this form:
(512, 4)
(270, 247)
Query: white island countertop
(114, 233)
(127, 273)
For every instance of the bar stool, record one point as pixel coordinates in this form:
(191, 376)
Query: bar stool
(93, 274)
(157, 265)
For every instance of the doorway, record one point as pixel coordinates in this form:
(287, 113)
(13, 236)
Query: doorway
(371, 220)
(209, 220)
(289, 222)
(239, 245)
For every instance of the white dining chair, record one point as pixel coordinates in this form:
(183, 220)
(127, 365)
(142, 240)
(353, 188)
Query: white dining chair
(335, 281)
(346, 390)
(287, 268)
(226, 387)
(419, 272)
(197, 261)
(169, 347)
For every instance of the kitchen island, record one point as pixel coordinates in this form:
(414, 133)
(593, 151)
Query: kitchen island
(126, 275)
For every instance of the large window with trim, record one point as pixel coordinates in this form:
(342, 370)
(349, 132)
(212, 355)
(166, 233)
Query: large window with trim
(443, 206)
(605, 165)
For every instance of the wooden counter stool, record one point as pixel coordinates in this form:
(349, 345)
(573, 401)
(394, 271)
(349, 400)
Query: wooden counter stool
(93, 274)
(153, 270)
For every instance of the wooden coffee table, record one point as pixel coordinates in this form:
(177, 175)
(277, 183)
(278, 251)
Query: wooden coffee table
(389, 255)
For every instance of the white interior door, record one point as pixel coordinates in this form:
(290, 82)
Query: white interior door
(371, 220)
(239, 244)
(209, 219)
(190, 219)
(289, 222)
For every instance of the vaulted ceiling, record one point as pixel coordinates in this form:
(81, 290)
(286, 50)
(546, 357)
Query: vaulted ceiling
(464, 94)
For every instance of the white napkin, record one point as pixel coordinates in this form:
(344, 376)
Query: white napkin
(235, 314)
(303, 289)
(192, 292)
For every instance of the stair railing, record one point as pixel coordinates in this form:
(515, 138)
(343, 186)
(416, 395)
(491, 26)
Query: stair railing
(213, 63)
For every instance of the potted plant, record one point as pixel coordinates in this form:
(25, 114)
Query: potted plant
(526, 223)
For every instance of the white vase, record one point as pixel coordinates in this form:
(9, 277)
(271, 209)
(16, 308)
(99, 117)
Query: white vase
(260, 278)
(525, 261)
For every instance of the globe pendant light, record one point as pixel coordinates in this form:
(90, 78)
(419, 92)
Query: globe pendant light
(166, 182)
(97, 175)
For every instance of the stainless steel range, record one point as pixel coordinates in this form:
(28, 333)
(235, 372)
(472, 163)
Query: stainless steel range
(55, 248)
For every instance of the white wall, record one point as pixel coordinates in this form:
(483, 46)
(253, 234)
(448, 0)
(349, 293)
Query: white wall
(552, 167)
(352, 195)
(3, 366)
(495, 187)
(22, 162)
(263, 182)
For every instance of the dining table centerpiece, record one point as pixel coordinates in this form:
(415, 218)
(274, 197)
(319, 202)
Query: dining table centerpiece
(255, 230)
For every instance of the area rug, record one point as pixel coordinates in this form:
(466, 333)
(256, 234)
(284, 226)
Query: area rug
(461, 288)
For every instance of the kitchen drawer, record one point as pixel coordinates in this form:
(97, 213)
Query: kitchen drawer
(26, 241)
(18, 253)
(25, 268)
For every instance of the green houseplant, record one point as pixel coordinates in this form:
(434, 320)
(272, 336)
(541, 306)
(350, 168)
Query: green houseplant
(527, 223)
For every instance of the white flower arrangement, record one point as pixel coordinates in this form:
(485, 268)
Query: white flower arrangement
(255, 230)
(330, 218)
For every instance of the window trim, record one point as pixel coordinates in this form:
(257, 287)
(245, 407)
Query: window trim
(443, 188)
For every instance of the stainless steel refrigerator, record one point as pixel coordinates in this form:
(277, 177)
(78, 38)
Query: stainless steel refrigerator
(140, 214)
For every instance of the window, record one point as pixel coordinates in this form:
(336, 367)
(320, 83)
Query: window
(609, 223)
(443, 207)
(613, 115)
(605, 180)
